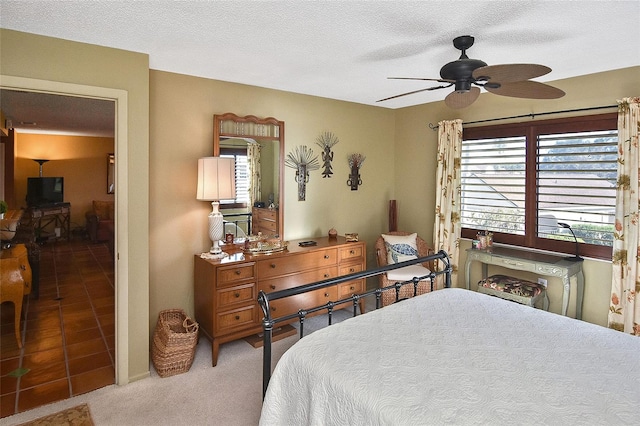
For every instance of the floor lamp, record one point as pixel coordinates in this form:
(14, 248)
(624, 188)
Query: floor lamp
(216, 181)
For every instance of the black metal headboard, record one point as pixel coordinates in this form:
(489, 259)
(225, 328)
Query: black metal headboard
(268, 323)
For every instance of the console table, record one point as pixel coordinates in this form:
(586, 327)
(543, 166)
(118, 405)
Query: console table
(538, 263)
(226, 291)
(59, 216)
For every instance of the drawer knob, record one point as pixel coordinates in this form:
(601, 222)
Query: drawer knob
(237, 317)
(273, 265)
(326, 295)
(352, 252)
(273, 308)
(352, 288)
(237, 271)
(273, 287)
(351, 270)
(237, 295)
(326, 256)
(327, 275)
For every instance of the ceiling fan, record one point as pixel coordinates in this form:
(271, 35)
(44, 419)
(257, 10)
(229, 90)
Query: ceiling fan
(505, 80)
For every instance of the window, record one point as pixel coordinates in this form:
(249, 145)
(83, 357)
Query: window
(520, 181)
(242, 178)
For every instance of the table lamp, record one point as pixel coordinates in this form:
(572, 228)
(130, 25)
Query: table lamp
(567, 226)
(216, 181)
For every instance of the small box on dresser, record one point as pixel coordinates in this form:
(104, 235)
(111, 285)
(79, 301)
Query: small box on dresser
(226, 291)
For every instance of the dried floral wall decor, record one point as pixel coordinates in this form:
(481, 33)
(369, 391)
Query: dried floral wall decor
(303, 161)
(326, 141)
(355, 162)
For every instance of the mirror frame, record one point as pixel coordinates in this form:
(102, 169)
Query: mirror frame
(251, 131)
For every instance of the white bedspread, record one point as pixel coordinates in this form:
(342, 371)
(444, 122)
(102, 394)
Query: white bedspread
(457, 357)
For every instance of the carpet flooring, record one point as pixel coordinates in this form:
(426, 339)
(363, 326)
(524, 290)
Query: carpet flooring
(229, 394)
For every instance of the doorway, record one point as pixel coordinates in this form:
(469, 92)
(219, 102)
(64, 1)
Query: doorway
(120, 99)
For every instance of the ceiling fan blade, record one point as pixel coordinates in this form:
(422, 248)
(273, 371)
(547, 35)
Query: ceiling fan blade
(422, 79)
(509, 73)
(527, 89)
(457, 100)
(416, 91)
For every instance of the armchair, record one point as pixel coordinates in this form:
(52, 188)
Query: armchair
(100, 221)
(383, 255)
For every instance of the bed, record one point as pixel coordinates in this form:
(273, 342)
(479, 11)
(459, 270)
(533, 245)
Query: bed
(455, 356)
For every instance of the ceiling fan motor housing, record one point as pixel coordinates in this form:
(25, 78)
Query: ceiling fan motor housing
(461, 72)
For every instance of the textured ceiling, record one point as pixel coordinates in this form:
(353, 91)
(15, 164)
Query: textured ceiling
(344, 50)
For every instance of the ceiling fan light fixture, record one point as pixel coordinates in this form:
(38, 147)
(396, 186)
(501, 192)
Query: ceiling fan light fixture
(463, 86)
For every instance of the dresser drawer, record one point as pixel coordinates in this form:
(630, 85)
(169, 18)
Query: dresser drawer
(244, 294)
(238, 318)
(267, 214)
(232, 275)
(269, 227)
(268, 268)
(350, 288)
(291, 305)
(356, 251)
(351, 269)
(294, 280)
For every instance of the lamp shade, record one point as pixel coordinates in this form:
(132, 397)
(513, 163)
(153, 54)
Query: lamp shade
(216, 179)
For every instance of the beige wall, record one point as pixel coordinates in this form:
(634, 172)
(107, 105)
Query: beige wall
(30, 56)
(182, 110)
(82, 161)
(416, 148)
(170, 126)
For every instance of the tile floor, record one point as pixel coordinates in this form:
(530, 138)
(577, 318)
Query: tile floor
(68, 333)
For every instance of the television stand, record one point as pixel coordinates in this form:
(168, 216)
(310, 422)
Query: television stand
(58, 215)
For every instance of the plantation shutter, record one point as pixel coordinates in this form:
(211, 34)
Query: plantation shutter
(493, 184)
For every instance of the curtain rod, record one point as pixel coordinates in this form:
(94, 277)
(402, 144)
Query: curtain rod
(532, 115)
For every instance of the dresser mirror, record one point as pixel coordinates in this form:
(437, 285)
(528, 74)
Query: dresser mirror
(233, 132)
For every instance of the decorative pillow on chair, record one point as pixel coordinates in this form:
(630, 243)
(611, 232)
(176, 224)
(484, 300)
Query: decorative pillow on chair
(400, 248)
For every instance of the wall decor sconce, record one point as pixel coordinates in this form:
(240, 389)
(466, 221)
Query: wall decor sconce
(355, 162)
(111, 173)
(303, 161)
(326, 141)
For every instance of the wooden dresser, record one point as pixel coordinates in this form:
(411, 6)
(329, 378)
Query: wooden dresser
(226, 291)
(265, 221)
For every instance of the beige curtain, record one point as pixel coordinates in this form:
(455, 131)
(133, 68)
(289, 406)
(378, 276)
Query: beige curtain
(255, 182)
(446, 232)
(624, 312)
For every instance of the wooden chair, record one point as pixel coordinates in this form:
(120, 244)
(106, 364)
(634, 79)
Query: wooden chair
(391, 277)
(15, 281)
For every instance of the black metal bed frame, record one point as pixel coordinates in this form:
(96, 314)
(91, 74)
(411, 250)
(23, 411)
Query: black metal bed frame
(244, 218)
(268, 323)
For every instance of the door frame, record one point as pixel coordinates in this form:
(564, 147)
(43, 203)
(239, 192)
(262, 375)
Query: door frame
(121, 243)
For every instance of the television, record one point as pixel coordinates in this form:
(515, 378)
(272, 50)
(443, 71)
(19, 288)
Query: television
(43, 191)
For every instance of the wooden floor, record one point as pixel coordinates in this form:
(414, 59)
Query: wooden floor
(68, 333)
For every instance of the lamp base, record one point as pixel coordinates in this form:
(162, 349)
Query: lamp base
(574, 258)
(216, 231)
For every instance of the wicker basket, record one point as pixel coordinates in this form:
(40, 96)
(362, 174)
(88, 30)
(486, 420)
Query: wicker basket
(174, 342)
